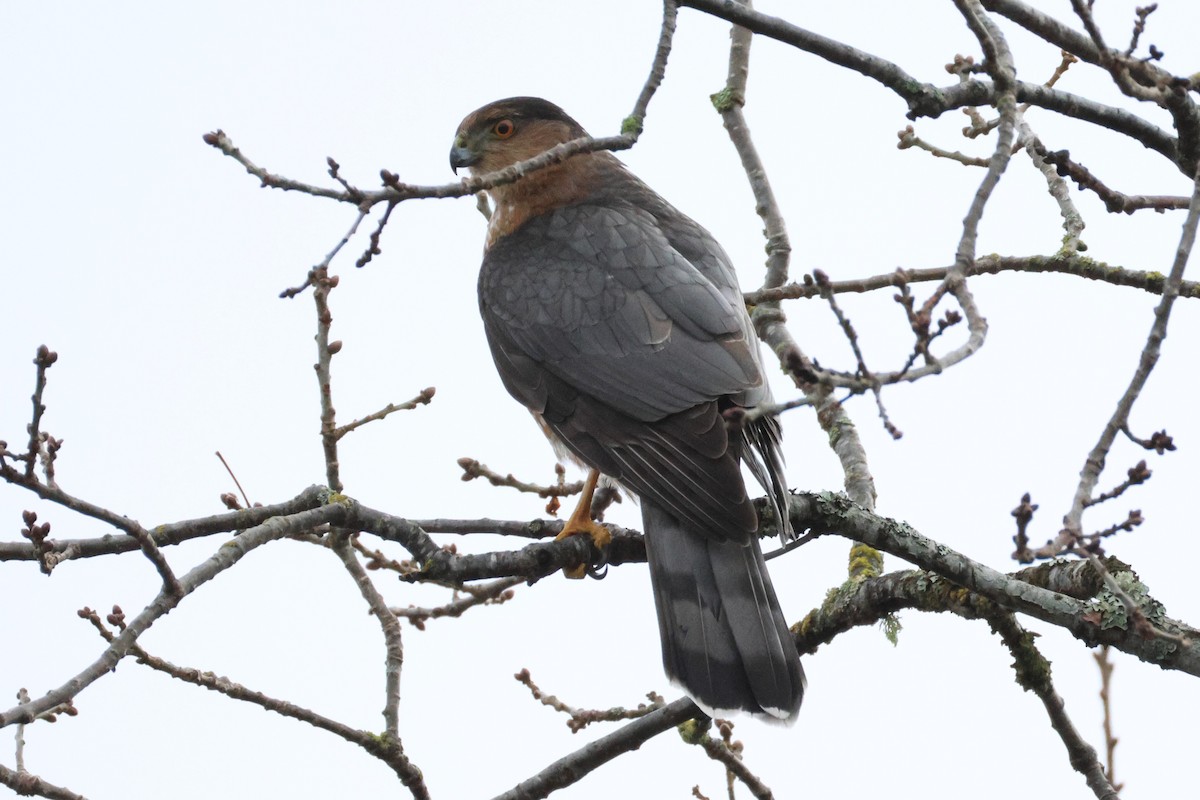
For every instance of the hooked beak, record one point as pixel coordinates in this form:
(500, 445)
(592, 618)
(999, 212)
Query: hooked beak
(462, 156)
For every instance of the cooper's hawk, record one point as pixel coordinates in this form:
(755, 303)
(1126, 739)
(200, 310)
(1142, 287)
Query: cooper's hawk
(619, 321)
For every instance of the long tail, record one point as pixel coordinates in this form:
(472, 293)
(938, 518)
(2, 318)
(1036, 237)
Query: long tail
(724, 638)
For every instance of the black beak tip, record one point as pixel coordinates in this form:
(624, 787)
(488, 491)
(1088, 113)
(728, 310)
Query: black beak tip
(461, 157)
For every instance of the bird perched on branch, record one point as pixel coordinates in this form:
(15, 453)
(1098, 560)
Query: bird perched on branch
(618, 321)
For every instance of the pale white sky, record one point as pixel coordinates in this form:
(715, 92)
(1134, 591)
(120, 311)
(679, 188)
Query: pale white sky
(152, 265)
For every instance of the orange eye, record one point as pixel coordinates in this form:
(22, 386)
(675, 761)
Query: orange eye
(504, 129)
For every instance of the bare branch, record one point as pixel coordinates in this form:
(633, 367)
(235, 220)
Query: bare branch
(224, 558)
(862, 371)
(1114, 201)
(236, 482)
(909, 139)
(574, 767)
(1101, 654)
(392, 635)
(532, 562)
(396, 191)
(1094, 465)
(1073, 223)
(494, 593)
(44, 359)
(1136, 476)
(1160, 442)
(422, 399)
(373, 241)
(1167, 643)
(1024, 515)
(473, 469)
(728, 753)
(28, 784)
(580, 718)
(922, 98)
(768, 317)
(927, 100)
(1063, 263)
(1033, 675)
(322, 284)
(163, 535)
(1139, 27)
(658, 70)
(387, 750)
(999, 65)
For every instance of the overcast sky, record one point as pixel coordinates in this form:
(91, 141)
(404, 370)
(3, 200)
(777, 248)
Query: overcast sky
(152, 265)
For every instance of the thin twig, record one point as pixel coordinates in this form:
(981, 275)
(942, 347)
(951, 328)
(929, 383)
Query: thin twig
(392, 634)
(580, 718)
(27, 784)
(1073, 223)
(473, 469)
(421, 399)
(59, 550)
(322, 284)
(909, 139)
(1094, 464)
(1075, 264)
(1101, 654)
(389, 752)
(1033, 675)
(658, 70)
(395, 191)
(1136, 475)
(225, 557)
(373, 241)
(494, 593)
(44, 359)
(999, 65)
(1114, 202)
(926, 100)
(1023, 514)
(236, 482)
(577, 765)
(862, 371)
(1139, 27)
(728, 753)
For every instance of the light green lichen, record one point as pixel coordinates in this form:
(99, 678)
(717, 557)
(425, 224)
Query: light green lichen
(725, 99)
(694, 731)
(1111, 609)
(891, 628)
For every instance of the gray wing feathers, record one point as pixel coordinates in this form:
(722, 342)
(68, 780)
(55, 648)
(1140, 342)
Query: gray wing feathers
(599, 296)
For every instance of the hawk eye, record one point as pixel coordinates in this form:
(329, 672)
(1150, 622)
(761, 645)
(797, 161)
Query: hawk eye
(504, 129)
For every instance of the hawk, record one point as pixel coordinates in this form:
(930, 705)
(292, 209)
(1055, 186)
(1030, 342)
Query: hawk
(618, 321)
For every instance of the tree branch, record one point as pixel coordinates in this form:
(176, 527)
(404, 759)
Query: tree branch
(1094, 464)
(928, 100)
(574, 767)
(1063, 263)
(28, 784)
(163, 535)
(384, 748)
(392, 635)
(225, 557)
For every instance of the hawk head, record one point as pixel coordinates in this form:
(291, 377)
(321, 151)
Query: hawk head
(507, 131)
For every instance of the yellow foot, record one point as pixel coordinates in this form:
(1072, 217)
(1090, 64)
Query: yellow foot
(581, 522)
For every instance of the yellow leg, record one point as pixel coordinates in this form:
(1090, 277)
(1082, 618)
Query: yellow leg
(581, 522)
